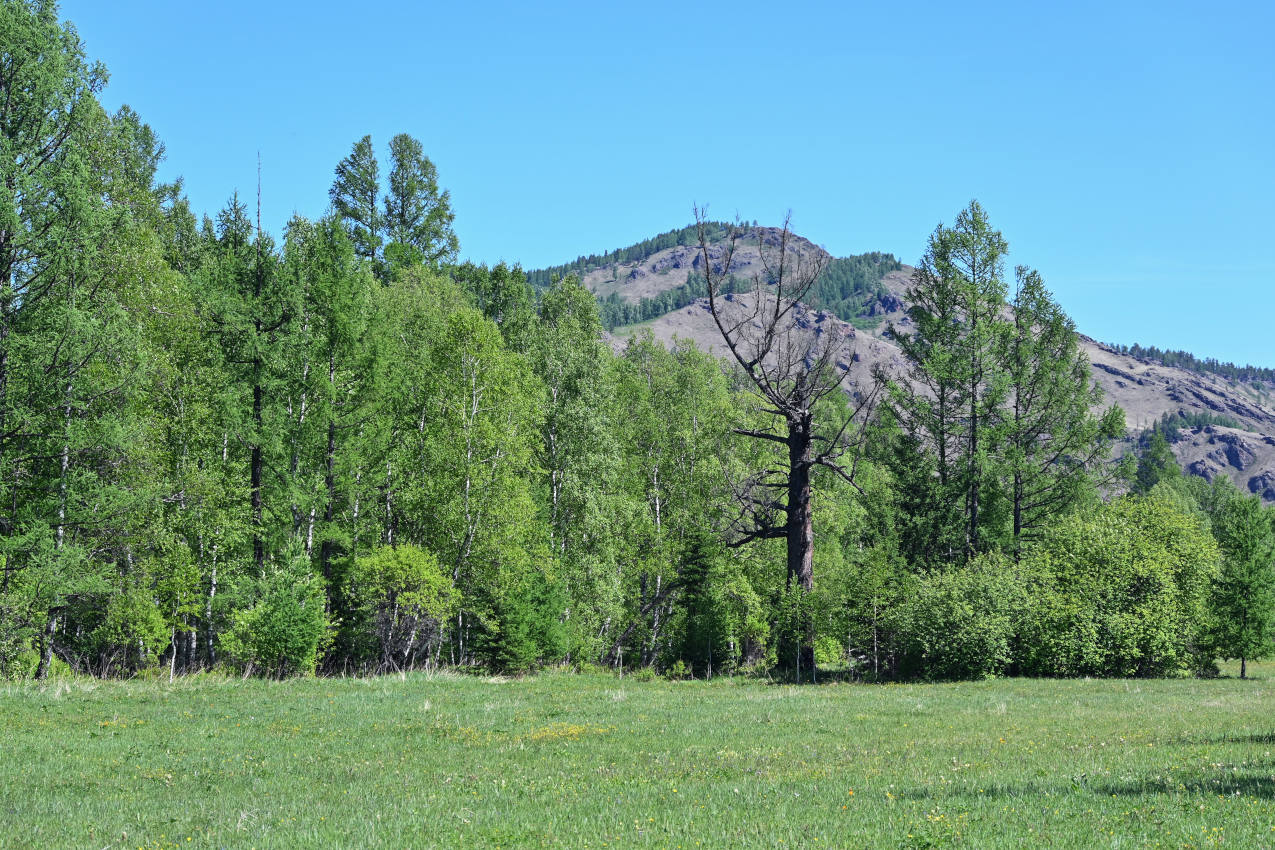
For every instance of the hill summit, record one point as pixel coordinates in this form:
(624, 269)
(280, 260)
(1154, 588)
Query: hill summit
(1220, 420)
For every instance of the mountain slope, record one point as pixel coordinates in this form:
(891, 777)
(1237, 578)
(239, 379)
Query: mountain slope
(664, 273)
(1243, 449)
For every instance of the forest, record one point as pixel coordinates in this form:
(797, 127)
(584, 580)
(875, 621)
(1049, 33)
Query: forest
(339, 449)
(1187, 360)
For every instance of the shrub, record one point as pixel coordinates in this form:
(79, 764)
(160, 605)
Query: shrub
(1119, 590)
(678, 671)
(401, 597)
(522, 626)
(722, 622)
(960, 624)
(132, 635)
(281, 634)
(17, 658)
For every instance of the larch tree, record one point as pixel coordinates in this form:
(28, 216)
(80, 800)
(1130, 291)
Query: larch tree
(250, 308)
(956, 382)
(418, 216)
(1054, 444)
(407, 222)
(75, 262)
(354, 196)
(1243, 599)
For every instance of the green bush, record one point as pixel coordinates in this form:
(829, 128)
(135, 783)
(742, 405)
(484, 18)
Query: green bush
(282, 633)
(960, 624)
(721, 623)
(678, 671)
(132, 635)
(828, 651)
(522, 626)
(401, 598)
(18, 659)
(1120, 590)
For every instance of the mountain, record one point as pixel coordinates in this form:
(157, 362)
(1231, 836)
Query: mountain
(1218, 424)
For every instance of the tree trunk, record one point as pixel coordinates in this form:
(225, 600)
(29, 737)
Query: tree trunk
(329, 483)
(208, 611)
(800, 527)
(1243, 668)
(46, 646)
(255, 475)
(975, 473)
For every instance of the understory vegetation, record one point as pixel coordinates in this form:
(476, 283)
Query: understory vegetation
(341, 450)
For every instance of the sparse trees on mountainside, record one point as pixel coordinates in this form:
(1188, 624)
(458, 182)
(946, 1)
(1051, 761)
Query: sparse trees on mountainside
(1156, 463)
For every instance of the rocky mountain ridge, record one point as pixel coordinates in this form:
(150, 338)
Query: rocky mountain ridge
(1145, 390)
(668, 268)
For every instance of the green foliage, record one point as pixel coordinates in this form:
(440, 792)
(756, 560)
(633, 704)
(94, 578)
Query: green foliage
(132, 634)
(414, 227)
(849, 286)
(522, 624)
(401, 598)
(1170, 423)
(1243, 596)
(1156, 463)
(722, 622)
(17, 658)
(1000, 408)
(354, 196)
(828, 651)
(341, 451)
(283, 631)
(418, 216)
(1119, 590)
(961, 623)
(503, 295)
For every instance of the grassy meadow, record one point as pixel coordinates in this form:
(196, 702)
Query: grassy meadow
(562, 760)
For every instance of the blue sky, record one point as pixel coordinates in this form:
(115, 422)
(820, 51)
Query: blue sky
(1127, 150)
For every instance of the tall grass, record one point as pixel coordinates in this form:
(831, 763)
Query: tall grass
(588, 761)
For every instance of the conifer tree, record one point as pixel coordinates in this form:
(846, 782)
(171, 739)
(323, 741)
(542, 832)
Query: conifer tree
(1053, 443)
(417, 217)
(354, 196)
(1243, 601)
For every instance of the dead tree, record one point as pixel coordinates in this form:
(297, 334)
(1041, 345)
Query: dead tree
(795, 358)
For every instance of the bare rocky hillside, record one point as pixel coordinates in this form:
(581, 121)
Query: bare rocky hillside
(668, 269)
(1145, 390)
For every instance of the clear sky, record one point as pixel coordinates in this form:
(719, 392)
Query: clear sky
(1127, 150)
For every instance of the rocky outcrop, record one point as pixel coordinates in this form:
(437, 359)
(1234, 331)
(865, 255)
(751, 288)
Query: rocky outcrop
(1263, 485)
(1144, 390)
(1246, 457)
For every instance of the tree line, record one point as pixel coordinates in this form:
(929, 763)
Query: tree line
(343, 451)
(1187, 360)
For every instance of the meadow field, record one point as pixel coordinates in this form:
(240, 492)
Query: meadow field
(561, 760)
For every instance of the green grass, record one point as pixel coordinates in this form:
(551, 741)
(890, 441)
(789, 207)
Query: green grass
(592, 761)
